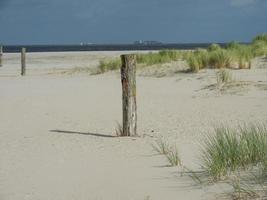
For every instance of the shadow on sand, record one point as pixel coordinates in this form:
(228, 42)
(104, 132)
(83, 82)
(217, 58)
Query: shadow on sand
(82, 133)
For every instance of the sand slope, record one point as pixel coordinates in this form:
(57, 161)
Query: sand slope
(56, 131)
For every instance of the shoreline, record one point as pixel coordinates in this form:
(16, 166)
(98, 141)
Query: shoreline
(106, 47)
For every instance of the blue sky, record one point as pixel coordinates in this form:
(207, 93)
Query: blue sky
(124, 21)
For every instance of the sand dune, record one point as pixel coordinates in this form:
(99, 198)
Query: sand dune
(56, 130)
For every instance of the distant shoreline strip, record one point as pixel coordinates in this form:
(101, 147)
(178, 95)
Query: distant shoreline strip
(103, 47)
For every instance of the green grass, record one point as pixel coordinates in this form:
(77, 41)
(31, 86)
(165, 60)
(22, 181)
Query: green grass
(242, 190)
(194, 63)
(214, 47)
(242, 54)
(201, 59)
(232, 45)
(259, 48)
(224, 76)
(163, 56)
(198, 60)
(173, 156)
(161, 146)
(148, 59)
(220, 59)
(232, 149)
(234, 55)
(108, 65)
(261, 37)
(171, 152)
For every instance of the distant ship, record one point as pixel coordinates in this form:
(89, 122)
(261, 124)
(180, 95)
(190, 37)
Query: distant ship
(147, 42)
(82, 44)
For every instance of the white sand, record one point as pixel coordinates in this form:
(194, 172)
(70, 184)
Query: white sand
(78, 162)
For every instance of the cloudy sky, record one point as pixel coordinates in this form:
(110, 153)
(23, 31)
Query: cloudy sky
(124, 21)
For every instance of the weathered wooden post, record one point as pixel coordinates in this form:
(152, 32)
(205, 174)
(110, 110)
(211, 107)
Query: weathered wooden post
(23, 61)
(1, 56)
(128, 80)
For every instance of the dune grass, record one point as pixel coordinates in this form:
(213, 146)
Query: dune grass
(233, 149)
(261, 37)
(234, 55)
(214, 47)
(242, 55)
(119, 130)
(173, 156)
(162, 147)
(148, 59)
(108, 65)
(259, 48)
(198, 60)
(216, 58)
(220, 58)
(224, 76)
(163, 56)
(242, 190)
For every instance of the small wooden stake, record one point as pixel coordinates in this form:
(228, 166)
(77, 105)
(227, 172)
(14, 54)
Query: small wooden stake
(23, 61)
(1, 56)
(128, 80)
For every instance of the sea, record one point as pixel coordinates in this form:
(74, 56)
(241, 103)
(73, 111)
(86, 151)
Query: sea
(103, 47)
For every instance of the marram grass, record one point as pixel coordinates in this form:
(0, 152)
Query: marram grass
(234, 55)
(171, 152)
(261, 37)
(198, 60)
(161, 146)
(220, 59)
(108, 65)
(214, 47)
(224, 76)
(173, 156)
(163, 56)
(152, 58)
(233, 149)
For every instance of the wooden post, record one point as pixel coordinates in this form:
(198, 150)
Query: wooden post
(23, 61)
(1, 56)
(128, 80)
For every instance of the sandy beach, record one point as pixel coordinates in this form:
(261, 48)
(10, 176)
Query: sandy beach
(57, 127)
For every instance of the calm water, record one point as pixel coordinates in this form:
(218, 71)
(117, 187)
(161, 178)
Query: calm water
(102, 47)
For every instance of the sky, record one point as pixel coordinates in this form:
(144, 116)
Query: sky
(125, 21)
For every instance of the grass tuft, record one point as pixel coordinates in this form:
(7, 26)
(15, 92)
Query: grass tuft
(198, 60)
(220, 59)
(232, 149)
(108, 65)
(261, 37)
(224, 76)
(173, 156)
(235, 55)
(161, 146)
(163, 56)
(241, 189)
(214, 47)
(171, 152)
(119, 130)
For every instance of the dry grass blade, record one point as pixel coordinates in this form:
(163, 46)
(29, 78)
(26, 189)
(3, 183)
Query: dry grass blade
(224, 76)
(173, 156)
(119, 130)
(161, 146)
